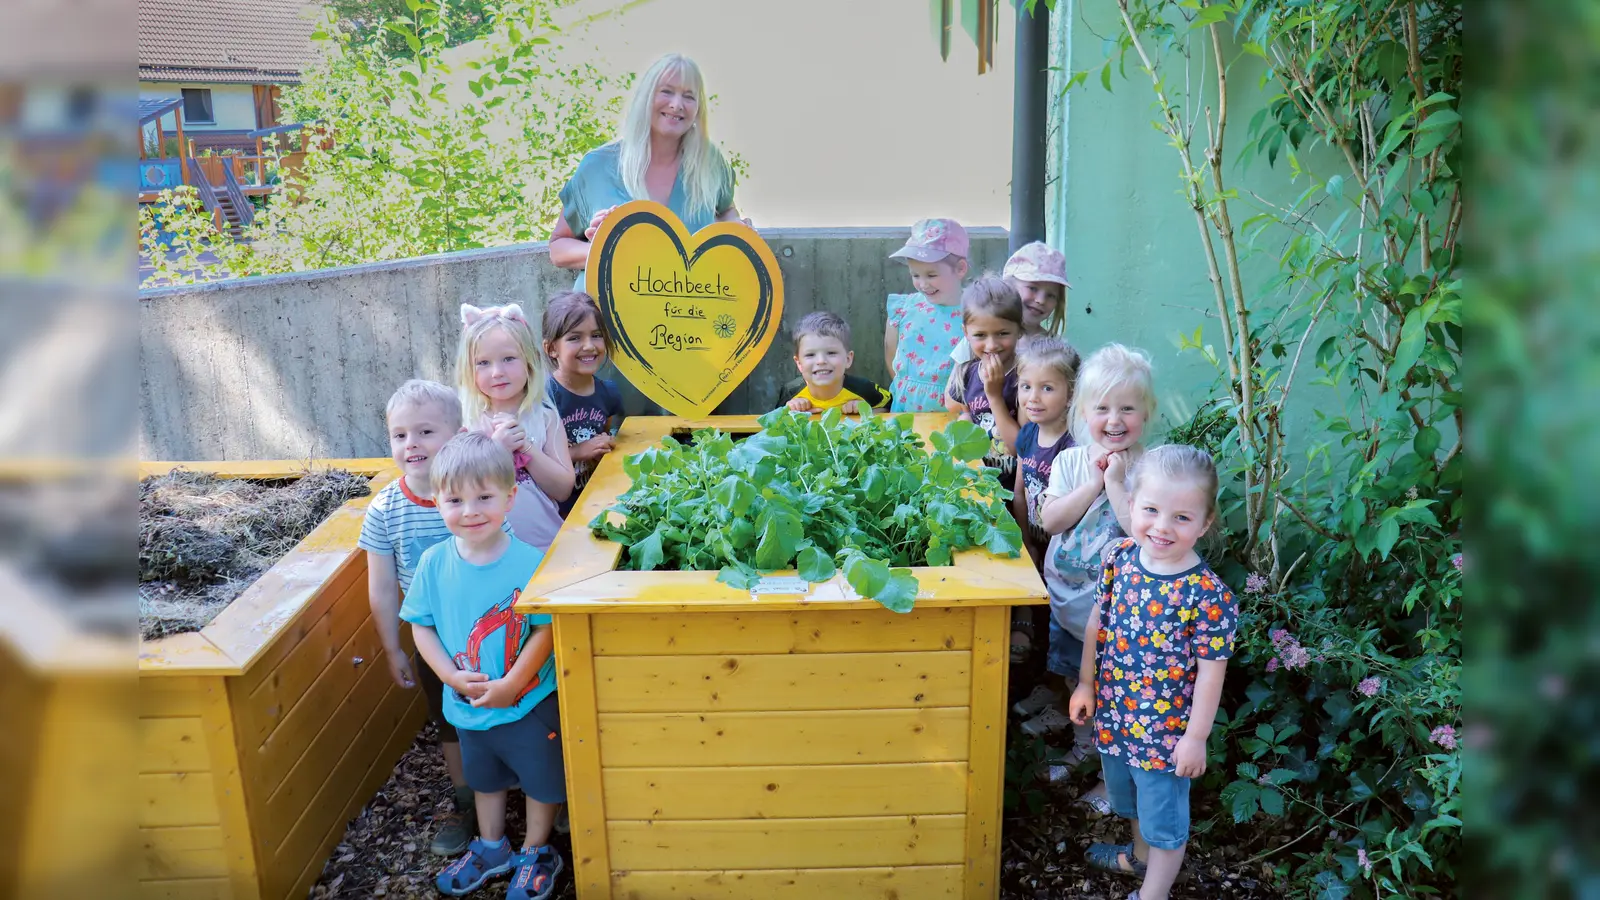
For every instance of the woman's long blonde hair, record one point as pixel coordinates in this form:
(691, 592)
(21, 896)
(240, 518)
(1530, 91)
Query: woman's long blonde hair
(700, 164)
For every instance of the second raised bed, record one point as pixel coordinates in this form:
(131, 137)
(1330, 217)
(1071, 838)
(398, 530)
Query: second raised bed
(732, 744)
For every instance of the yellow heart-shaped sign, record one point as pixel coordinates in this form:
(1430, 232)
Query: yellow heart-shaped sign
(689, 315)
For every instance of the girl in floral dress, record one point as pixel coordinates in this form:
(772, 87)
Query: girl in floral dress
(924, 327)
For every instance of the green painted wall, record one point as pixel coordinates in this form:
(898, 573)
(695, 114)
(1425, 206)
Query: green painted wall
(1132, 243)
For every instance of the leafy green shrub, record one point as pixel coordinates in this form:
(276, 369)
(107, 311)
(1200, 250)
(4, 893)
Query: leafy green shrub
(433, 150)
(1338, 730)
(814, 494)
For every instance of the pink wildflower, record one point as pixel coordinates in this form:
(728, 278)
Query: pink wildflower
(1444, 736)
(1456, 561)
(1370, 686)
(1272, 664)
(1255, 584)
(1362, 860)
(1279, 637)
(1296, 657)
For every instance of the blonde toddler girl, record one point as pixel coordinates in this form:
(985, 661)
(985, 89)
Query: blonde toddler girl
(500, 374)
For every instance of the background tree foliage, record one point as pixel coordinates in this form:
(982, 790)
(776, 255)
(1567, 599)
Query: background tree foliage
(435, 150)
(1339, 743)
(464, 20)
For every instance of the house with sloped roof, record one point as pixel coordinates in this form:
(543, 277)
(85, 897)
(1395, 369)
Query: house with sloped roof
(224, 61)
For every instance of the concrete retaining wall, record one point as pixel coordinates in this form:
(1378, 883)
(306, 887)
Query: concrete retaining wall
(292, 366)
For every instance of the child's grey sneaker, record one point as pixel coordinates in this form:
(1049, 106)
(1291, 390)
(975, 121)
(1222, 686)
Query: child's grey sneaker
(1051, 721)
(455, 827)
(1041, 697)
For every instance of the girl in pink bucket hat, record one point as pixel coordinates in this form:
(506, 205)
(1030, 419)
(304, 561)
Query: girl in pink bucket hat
(1038, 271)
(924, 327)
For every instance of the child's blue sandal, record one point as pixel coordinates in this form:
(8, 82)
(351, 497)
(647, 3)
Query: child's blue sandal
(1109, 857)
(481, 862)
(537, 872)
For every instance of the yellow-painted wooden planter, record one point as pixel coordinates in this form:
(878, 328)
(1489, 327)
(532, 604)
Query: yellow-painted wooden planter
(262, 734)
(63, 773)
(721, 744)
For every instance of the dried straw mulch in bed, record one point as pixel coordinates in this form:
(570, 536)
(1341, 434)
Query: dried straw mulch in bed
(204, 539)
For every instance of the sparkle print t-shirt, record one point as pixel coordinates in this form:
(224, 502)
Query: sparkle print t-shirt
(583, 417)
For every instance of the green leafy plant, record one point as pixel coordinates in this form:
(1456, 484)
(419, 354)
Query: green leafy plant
(819, 495)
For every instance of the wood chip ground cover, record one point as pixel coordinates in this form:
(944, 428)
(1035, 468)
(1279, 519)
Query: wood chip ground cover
(384, 851)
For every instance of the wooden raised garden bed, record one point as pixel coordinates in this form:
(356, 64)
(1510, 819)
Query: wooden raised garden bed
(263, 733)
(726, 744)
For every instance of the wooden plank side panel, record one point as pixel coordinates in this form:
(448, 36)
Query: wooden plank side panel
(787, 843)
(187, 889)
(177, 798)
(233, 811)
(786, 792)
(845, 631)
(271, 699)
(897, 883)
(404, 734)
(828, 737)
(273, 615)
(173, 745)
(783, 681)
(279, 807)
(581, 740)
(343, 694)
(175, 697)
(392, 725)
(987, 757)
(174, 853)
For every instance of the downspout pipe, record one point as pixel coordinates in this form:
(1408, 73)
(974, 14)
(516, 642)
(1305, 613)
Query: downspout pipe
(1029, 124)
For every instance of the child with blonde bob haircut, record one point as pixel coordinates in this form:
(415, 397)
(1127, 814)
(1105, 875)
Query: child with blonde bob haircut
(1085, 509)
(1156, 650)
(500, 374)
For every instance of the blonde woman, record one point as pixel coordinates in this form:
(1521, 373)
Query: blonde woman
(664, 153)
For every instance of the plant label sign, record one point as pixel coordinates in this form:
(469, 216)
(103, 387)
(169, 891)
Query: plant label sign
(689, 315)
(781, 584)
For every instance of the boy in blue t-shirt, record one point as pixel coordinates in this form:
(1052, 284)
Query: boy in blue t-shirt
(497, 667)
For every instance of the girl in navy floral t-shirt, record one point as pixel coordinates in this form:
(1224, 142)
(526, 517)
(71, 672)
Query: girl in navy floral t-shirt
(1153, 663)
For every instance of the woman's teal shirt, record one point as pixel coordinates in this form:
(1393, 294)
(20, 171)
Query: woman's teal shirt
(598, 184)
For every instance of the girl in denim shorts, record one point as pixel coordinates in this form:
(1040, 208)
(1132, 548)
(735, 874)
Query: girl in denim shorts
(1151, 675)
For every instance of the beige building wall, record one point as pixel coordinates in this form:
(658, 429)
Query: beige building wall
(233, 105)
(842, 108)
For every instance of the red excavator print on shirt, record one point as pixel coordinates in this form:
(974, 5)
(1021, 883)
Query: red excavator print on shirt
(503, 618)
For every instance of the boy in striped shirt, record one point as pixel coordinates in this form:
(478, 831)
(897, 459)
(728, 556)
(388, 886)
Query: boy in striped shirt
(401, 523)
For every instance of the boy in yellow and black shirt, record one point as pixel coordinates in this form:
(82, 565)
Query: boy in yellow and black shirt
(822, 353)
